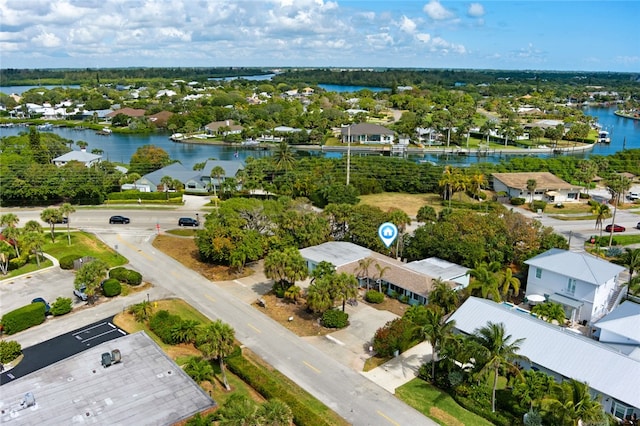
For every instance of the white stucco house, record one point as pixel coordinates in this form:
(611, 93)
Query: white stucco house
(621, 328)
(587, 286)
(367, 133)
(549, 187)
(612, 376)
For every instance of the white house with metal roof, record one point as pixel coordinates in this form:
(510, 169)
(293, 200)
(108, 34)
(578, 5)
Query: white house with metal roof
(587, 286)
(412, 283)
(562, 353)
(81, 156)
(621, 327)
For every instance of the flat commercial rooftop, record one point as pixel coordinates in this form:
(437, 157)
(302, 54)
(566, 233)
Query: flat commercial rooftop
(145, 388)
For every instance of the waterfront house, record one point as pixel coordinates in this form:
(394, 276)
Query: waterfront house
(549, 187)
(224, 128)
(367, 133)
(561, 352)
(129, 112)
(585, 285)
(152, 182)
(230, 170)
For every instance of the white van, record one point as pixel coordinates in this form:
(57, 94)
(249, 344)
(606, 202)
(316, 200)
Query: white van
(633, 196)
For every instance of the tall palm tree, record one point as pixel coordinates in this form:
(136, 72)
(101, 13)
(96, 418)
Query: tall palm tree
(198, 369)
(533, 387)
(444, 296)
(485, 280)
(51, 216)
(447, 182)
(630, 259)
(381, 270)
(33, 241)
(11, 232)
(283, 157)
(498, 351)
(617, 186)
(217, 340)
(487, 128)
(274, 413)
(363, 269)
(532, 184)
(571, 403)
(166, 182)
(66, 210)
(601, 211)
(476, 183)
(436, 331)
(346, 287)
(506, 282)
(318, 295)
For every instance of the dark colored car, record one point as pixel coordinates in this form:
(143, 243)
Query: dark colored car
(616, 228)
(638, 225)
(119, 219)
(187, 221)
(62, 220)
(80, 293)
(47, 308)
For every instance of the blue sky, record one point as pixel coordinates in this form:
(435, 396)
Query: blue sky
(540, 35)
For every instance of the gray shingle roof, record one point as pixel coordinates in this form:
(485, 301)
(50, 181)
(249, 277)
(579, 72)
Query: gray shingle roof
(366, 129)
(581, 266)
(176, 171)
(230, 167)
(564, 352)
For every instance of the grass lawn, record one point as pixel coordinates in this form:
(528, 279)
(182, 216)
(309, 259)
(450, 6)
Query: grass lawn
(437, 405)
(83, 244)
(28, 268)
(409, 203)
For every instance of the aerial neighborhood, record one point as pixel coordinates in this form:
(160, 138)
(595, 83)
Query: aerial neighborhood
(429, 248)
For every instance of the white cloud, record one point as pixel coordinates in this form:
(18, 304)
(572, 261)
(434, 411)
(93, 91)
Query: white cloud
(423, 37)
(436, 11)
(46, 39)
(407, 25)
(628, 60)
(475, 10)
(443, 46)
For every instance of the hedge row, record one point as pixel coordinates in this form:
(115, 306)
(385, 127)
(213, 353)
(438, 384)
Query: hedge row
(374, 296)
(23, 318)
(137, 195)
(162, 324)
(66, 262)
(262, 380)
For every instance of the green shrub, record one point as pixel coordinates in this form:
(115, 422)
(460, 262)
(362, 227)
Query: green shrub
(18, 262)
(9, 350)
(66, 262)
(404, 298)
(61, 306)
(538, 205)
(334, 318)
(119, 273)
(278, 290)
(374, 296)
(517, 201)
(162, 324)
(396, 335)
(133, 277)
(111, 287)
(584, 196)
(23, 318)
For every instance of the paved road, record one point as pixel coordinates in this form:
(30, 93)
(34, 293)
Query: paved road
(345, 391)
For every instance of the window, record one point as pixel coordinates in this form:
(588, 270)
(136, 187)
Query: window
(621, 411)
(571, 286)
(538, 273)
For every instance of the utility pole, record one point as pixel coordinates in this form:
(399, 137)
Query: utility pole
(348, 153)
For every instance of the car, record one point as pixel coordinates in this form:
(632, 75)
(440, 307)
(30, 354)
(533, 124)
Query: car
(187, 221)
(615, 227)
(62, 220)
(47, 308)
(119, 219)
(80, 293)
(634, 196)
(638, 225)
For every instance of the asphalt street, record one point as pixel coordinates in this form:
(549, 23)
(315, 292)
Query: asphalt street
(63, 346)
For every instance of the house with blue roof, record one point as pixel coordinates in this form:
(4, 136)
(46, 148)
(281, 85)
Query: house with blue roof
(586, 286)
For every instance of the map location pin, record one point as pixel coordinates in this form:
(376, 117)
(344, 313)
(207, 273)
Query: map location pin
(387, 233)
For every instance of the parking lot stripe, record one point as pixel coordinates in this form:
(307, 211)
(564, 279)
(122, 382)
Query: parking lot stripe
(84, 330)
(98, 335)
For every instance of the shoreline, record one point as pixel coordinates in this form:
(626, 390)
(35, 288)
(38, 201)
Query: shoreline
(623, 115)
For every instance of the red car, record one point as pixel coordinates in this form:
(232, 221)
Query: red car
(616, 228)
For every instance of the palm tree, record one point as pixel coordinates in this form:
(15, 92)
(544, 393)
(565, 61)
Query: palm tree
(506, 282)
(185, 331)
(571, 403)
(238, 410)
(345, 286)
(319, 297)
(381, 270)
(141, 311)
(166, 182)
(533, 387)
(199, 369)
(5, 255)
(476, 183)
(487, 127)
(217, 340)
(532, 184)
(216, 172)
(630, 259)
(498, 352)
(363, 269)
(293, 293)
(448, 182)
(51, 216)
(274, 413)
(617, 186)
(66, 210)
(601, 211)
(283, 157)
(11, 232)
(33, 241)
(550, 311)
(436, 331)
(485, 280)
(444, 296)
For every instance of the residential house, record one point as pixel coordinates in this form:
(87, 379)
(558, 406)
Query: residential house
(161, 118)
(442, 269)
(585, 285)
(549, 187)
(152, 182)
(397, 277)
(130, 112)
(611, 375)
(224, 128)
(620, 328)
(81, 156)
(367, 133)
(230, 168)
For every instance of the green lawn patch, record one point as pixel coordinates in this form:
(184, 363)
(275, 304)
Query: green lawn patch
(83, 244)
(182, 232)
(28, 268)
(437, 404)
